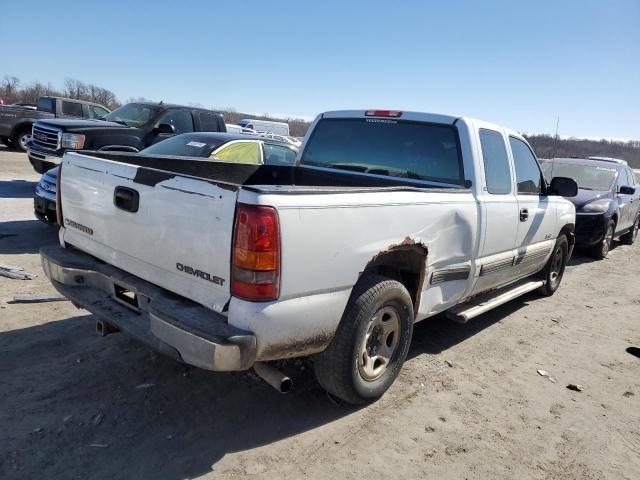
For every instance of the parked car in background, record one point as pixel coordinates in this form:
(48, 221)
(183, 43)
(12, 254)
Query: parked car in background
(387, 218)
(44, 201)
(607, 204)
(264, 126)
(16, 121)
(227, 147)
(130, 128)
(221, 147)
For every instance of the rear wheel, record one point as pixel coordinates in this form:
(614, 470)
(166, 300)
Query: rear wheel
(20, 138)
(630, 237)
(554, 269)
(370, 344)
(600, 251)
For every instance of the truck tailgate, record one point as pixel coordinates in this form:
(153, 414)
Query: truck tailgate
(178, 238)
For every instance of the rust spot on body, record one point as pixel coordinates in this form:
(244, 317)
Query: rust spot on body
(296, 347)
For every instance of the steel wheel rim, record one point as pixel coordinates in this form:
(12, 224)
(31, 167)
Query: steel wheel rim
(606, 243)
(379, 344)
(556, 266)
(24, 139)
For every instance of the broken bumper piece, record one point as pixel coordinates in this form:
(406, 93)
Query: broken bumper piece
(167, 323)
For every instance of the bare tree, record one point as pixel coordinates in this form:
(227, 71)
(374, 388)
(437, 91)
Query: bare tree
(9, 89)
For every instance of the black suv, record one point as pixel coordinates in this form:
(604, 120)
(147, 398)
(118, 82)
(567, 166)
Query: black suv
(129, 128)
(607, 204)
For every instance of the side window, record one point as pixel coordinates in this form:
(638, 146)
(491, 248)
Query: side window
(208, 122)
(180, 119)
(631, 177)
(239, 152)
(97, 112)
(496, 162)
(277, 155)
(72, 109)
(528, 175)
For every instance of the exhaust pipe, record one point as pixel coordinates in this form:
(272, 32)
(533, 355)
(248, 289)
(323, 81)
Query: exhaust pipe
(273, 377)
(103, 328)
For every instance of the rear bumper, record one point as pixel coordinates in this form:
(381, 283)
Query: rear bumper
(169, 324)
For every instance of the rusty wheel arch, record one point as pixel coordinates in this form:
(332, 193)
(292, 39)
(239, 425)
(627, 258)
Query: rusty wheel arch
(405, 262)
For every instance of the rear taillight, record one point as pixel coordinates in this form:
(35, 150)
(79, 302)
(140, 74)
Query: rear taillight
(59, 218)
(255, 264)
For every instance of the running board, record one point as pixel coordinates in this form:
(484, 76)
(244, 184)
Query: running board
(483, 303)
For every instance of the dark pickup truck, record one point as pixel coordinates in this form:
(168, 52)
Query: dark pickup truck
(129, 128)
(16, 120)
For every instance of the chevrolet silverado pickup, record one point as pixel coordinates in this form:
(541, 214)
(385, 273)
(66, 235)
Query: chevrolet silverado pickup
(387, 218)
(16, 121)
(129, 128)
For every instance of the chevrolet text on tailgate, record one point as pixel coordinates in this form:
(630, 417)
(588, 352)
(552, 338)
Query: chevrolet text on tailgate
(386, 219)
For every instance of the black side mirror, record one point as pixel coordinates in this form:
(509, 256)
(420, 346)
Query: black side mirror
(563, 186)
(627, 190)
(165, 128)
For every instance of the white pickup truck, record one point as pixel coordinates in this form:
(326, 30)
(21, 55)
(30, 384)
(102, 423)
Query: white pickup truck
(387, 218)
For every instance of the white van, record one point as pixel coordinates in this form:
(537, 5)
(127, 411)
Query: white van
(263, 126)
(232, 128)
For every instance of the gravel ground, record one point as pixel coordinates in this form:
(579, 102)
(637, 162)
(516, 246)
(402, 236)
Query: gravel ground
(469, 402)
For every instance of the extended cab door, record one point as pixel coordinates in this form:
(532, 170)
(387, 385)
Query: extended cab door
(499, 207)
(536, 216)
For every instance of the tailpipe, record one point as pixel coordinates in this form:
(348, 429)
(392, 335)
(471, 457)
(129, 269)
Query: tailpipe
(273, 377)
(103, 328)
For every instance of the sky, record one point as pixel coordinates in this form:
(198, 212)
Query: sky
(521, 64)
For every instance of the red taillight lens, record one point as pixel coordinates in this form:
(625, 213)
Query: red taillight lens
(255, 264)
(59, 218)
(383, 113)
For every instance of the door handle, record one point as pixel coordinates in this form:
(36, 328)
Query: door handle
(126, 199)
(524, 214)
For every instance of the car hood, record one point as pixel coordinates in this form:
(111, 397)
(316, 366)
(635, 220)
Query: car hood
(73, 125)
(587, 196)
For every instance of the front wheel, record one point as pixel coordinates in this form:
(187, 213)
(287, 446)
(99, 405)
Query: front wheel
(629, 238)
(370, 344)
(554, 269)
(600, 251)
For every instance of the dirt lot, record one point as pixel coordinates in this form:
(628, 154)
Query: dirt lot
(468, 404)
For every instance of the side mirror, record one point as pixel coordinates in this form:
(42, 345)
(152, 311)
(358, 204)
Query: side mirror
(563, 186)
(165, 128)
(627, 190)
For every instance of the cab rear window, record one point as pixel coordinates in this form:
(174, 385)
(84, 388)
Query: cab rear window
(396, 148)
(46, 105)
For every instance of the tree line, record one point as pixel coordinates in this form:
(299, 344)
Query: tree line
(12, 91)
(547, 146)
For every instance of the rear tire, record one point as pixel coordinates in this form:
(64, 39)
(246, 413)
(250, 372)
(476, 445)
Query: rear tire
(370, 344)
(20, 138)
(554, 269)
(600, 251)
(629, 238)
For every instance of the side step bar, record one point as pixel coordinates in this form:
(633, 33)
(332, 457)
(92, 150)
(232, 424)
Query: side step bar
(483, 303)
